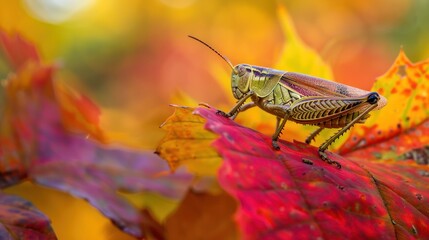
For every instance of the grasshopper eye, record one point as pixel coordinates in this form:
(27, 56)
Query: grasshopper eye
(241, 71)
(373, 98)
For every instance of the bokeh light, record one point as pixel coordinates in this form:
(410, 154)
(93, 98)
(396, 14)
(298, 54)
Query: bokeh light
(56, 11)
(178, 3)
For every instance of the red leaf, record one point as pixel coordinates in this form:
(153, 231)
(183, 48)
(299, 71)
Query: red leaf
(407, 144)
(21, 220)
(18, 51)
(282, 196)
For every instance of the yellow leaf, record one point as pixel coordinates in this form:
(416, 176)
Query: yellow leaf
(296, 56)
(188, 143)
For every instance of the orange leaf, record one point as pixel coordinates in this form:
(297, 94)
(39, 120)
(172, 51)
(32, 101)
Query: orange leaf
(399, 126)
(79, 113)
(203, 216)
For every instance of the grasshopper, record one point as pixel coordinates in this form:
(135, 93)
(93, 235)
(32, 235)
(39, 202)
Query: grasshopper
(300, 98)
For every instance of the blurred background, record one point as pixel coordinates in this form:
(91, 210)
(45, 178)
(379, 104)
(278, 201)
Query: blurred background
(133, 58)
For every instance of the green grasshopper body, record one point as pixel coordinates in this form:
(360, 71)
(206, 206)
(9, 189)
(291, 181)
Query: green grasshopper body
(300, 98)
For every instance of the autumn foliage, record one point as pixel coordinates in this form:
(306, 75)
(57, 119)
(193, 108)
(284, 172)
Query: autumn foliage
(223, 176)
(293, 194)
(50, 135)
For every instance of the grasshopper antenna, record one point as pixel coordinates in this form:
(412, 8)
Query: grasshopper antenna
(214, 50)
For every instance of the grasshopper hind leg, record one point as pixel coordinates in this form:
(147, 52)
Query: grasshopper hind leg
(321, 151)
(313, 135)
(328, 142)
(325, 158)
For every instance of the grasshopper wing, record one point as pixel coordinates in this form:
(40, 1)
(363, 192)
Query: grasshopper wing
(306, 85)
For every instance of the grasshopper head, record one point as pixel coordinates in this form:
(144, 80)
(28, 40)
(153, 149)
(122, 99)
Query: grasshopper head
(240, 80)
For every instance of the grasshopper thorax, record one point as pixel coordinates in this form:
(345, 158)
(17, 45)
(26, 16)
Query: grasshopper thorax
(240, 80)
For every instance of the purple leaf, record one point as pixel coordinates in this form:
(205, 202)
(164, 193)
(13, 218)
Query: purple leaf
(21, 220)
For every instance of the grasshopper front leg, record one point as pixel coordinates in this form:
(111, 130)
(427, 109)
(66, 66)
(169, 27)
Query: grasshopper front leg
(234, 111)
(243, 108)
